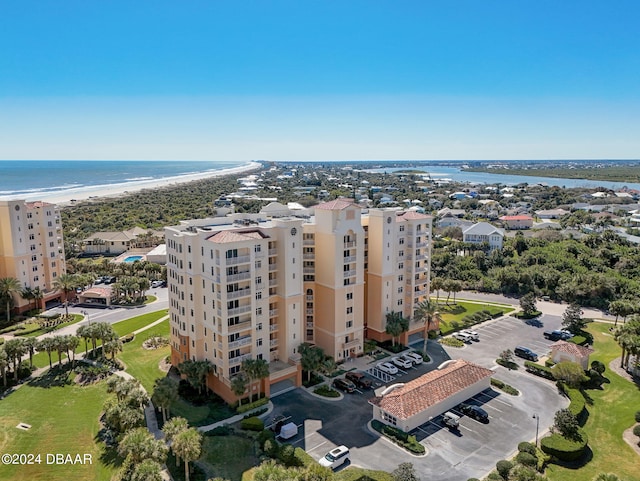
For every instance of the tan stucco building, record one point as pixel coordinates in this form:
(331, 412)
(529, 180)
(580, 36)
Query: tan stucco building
(31, 247)
(248, 286)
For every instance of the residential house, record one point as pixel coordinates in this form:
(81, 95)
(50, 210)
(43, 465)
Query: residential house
(483, 232)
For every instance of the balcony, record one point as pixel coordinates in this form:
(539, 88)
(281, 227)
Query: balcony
(308, 256)
(308, 270)
(273, 312)
(349, 244)
(309, 325)
(273, 252)
(309, 298)
(232, 261)
(273, 282)
(421, 292)
(236, 311)
(259, 253)
(273, 327)
(308, 242)
(273, 342)
(309, 312)
(234, 361)
(245, 341)
(349, 273)
(239, 277)
(239, 293)
(351, 344)
(273, 267)
(422, 244)
(243, 326)
(348, 259)
(421, 281)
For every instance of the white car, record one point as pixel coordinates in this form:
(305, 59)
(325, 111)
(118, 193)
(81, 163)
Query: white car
(387, 367)
(336, 457)
(462, 337)
(473, 334)
(402, 362)
(414, 357)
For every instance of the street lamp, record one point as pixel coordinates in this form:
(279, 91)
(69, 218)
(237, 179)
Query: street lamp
(86, 313)
(537, 418)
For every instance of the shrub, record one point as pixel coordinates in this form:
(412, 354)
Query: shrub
(287, 456)
(219, 431)
(128, 338)
(326, 391)
(578, 405)
(503, 466)
(473, 479)
(398, 436)
(493, 476)
(549, 363)
(538, 370)
(637, 416)
(504, 387)
(252, 424)
(563, 448)
(512, 366)
(526, 447)
(255, 413)
(248, 407)
(451, 342)
(636, 430)
(527, 459)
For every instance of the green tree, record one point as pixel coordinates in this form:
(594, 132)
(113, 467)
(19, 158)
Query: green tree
(396, 325)
(147, 470)
(48, 345)
(239, 386)
(566, 424)
(196, 372)
(528, 303)
(427, 312)
(31, 345)
(15, 349)
(572, 319)
(436, 285)
(139, 444)
(173, 427)
(66, 283)
(405, 472)
(165, 393)
(187, 445)
(9, 287)
(310, 357)
(4, 364)
(569, 372)
(254, 370)
(628, 338)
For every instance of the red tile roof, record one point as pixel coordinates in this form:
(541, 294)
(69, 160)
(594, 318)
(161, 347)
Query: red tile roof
(411, 215)
(430, 389)
(516, 217)
(337, 204)
(571, 348)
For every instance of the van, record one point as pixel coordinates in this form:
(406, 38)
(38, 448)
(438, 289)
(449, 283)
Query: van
(525, 353)
(336, 457)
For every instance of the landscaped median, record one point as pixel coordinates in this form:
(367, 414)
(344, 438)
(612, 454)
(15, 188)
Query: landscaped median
(405, 440)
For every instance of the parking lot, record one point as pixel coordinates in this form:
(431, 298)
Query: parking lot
(470, 451)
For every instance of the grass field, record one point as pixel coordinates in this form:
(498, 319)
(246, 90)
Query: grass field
(129, 325)
(64, 419)
(228, 456)
(44, 330)
(611, 413)
(143, 363)
(455, 312)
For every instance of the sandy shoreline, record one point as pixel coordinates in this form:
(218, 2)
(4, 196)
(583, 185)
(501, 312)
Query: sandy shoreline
(69, 196)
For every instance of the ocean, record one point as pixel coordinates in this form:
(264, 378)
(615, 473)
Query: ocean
(30, 179)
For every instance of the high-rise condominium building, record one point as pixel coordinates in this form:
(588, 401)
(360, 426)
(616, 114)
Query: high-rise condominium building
(245, 287)
(31, 248)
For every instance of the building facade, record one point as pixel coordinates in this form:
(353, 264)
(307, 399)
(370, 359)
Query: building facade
(31, 248)
(246, 286)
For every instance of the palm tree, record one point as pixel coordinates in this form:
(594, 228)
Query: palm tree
(173, 427)
(427, 312)
(4, 364)
(254, 370)
(396, 325)
(239, 386)
(38, 295)
(139, 444)
(47, 344)
(147, 470)
(8, 287)
(112, 347)
(188, 446)
(31, 344)
(27, 294)
(436, 285)
(628, 338)
(15, 350)
(71, 343)
(165, 393)
(66, 283)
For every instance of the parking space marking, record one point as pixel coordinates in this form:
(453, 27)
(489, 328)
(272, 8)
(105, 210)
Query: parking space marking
(316, 446)
(464, 427)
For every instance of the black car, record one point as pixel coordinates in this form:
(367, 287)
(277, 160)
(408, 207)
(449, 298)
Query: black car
(359, 379)
(474, 412)
(553, 335)
(344, 385)
(525, 353)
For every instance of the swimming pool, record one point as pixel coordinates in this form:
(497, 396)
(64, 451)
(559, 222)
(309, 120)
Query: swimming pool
(132, 259)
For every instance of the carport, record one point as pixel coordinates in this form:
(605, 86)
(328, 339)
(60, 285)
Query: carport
(407, 406)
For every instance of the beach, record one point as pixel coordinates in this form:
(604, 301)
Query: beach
(72, 195)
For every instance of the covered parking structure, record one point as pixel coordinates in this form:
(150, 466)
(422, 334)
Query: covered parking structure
(407, 406)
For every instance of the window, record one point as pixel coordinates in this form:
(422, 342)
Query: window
(399, 290)
(401, 228)
(259, 342)
(349, 296)
(350, 310)
(259, 311)
(259, 327)
(257, 248)
(258, 295)
(401, 265)
(258, 280)
(258, 264)
(400, 278)
(389, 418)
(349, 324)
(401, 253)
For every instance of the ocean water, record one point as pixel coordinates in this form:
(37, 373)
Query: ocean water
(26, 178)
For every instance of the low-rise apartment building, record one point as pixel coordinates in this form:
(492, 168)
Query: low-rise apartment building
(247, 286)
(31, 248)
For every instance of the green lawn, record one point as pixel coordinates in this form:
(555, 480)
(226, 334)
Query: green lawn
(455, 312)
(44, 330)
(611, 413)
(133, 324)
(228, 456)
(143, 363)
(64, 419)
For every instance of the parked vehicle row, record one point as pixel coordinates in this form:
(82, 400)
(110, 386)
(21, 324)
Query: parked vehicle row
(403, 361)
(466, 336)
(558, 335)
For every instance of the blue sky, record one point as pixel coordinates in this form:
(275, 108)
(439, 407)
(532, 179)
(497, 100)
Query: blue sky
(329, 80)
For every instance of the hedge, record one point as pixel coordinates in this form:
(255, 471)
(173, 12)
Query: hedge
(564, 449)
(578, 404)
(252, 424)
(538, 370)
(407, 441)
(326, 391)
(451, 341)
(128, 338)
(504, 387)
(248, 407)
